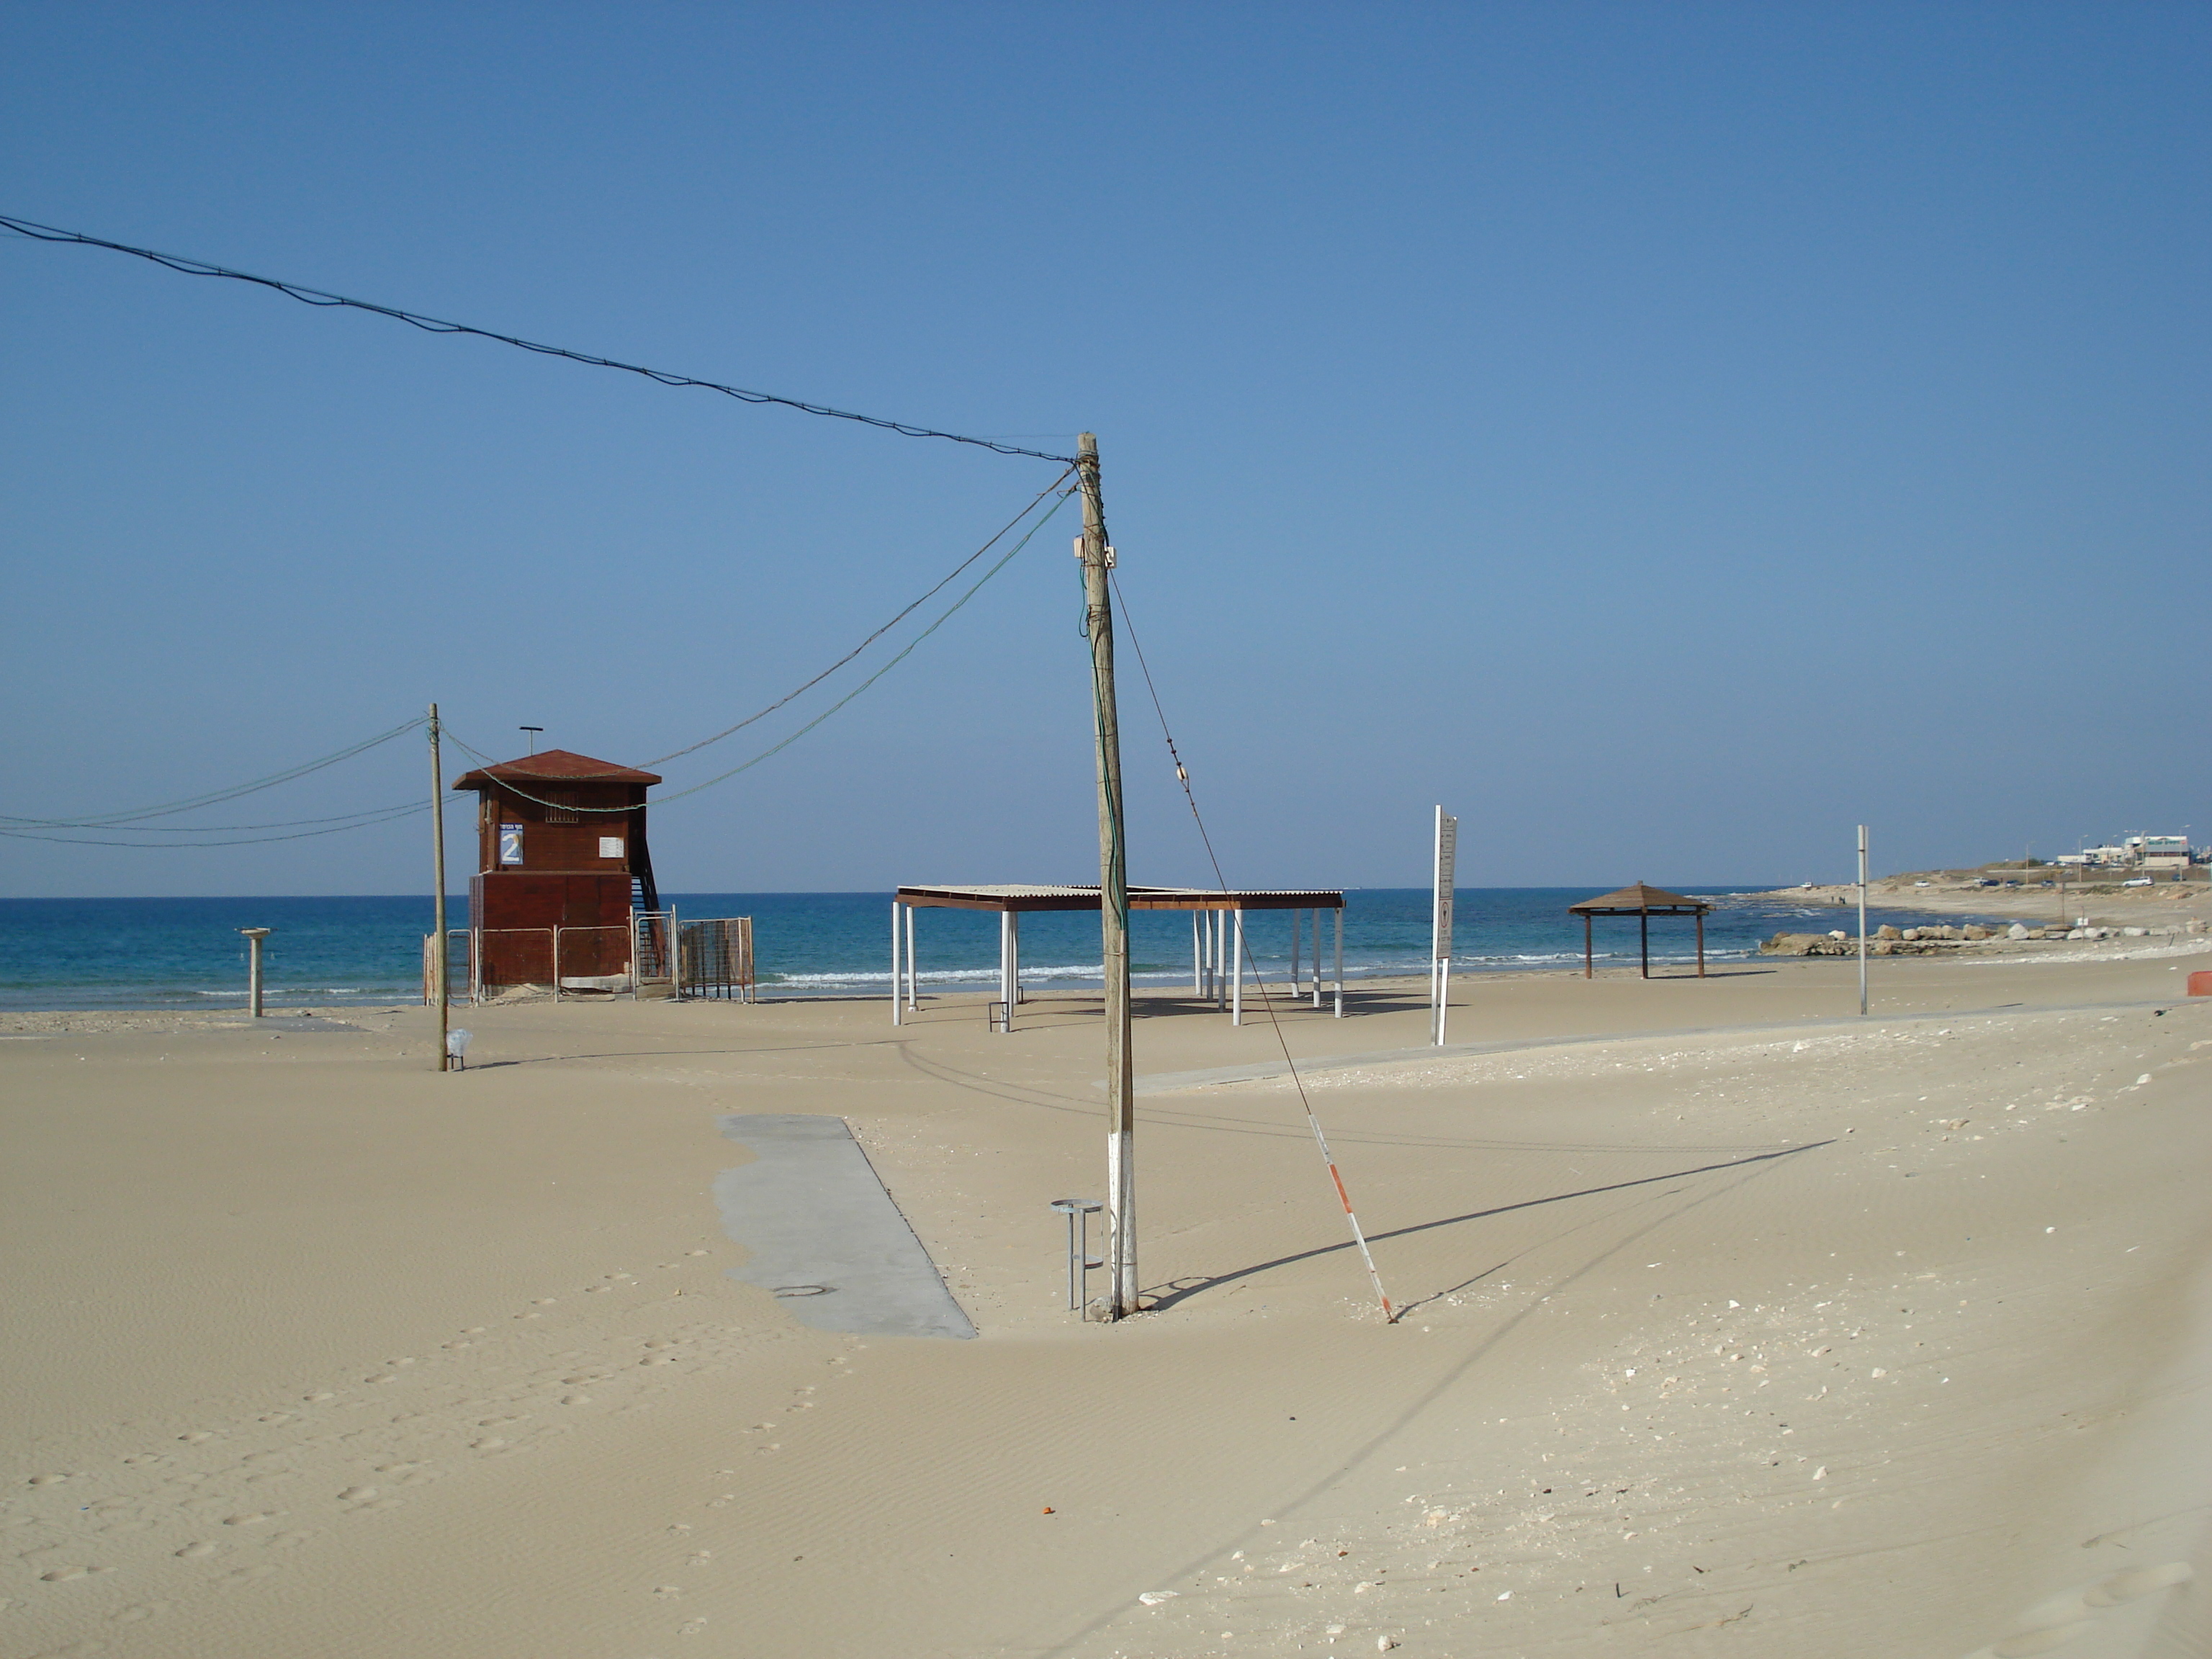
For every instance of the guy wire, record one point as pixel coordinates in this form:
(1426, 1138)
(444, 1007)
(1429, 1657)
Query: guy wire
(1266, 998)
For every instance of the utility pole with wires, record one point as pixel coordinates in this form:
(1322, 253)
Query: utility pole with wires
(439, 976)
(1113, 891)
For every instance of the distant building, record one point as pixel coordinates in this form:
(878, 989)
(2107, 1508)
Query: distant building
(2158, 852)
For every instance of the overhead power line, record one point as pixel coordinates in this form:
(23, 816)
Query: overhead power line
(213, 797)
(316, 296)
(382, 815)
(907, 651)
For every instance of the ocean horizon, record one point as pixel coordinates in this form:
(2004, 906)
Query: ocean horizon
(177, 953)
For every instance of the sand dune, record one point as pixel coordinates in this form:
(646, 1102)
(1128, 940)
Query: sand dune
(1733, 1324)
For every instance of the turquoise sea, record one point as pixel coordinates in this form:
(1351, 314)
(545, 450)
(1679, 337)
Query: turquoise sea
(186, 952)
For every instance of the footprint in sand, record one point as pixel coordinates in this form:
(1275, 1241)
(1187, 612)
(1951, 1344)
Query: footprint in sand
(356, 1494)
(68, 1574)
(196, 1551)
(576, 1399)
(666, 1591)
(251, 1518)
(142, 1613)
(47, 1480)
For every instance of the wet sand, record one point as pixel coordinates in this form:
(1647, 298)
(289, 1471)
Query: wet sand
(1733, 1324)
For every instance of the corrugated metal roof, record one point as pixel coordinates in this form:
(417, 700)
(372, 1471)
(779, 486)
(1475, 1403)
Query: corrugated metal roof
(1027, 896)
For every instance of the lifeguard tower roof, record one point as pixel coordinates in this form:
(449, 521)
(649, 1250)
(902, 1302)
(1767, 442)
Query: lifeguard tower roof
(555, 765)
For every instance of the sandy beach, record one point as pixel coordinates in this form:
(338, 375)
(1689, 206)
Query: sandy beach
(1732, 1323)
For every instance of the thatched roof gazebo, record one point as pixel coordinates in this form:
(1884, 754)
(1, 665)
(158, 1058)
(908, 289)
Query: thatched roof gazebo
(1643, 902)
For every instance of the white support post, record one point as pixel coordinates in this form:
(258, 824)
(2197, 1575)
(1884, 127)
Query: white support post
(1197, 956)
(1014, 940)
(913, 992)
(897, 998)
(1339, 962)
(1218, 921)
(1863, 908)
(1236, 972)
(1006, 995)
(1294, 921)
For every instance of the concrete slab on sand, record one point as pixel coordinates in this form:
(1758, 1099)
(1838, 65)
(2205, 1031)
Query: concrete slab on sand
(822, 1233)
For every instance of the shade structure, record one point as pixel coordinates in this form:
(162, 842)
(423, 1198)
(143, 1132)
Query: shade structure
(1217, 935)
(1641, 900)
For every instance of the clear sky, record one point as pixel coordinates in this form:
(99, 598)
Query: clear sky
(1666, 434)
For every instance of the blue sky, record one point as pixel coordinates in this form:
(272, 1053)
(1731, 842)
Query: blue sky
(1668, 435)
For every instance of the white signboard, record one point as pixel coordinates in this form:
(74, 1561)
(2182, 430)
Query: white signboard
(1440, 937)
(510, 843)
(611, 846)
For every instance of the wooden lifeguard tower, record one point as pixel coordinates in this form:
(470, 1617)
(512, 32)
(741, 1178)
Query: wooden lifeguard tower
(562, 862)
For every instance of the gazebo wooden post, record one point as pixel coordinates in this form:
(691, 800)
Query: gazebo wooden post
(1701, 945)
(1644, 937)
(1586, 945)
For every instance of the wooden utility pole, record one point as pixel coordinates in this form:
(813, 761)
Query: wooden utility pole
(439, 987)
(1112, 893)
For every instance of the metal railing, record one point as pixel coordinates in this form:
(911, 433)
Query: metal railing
(715, 958)
(662, 957)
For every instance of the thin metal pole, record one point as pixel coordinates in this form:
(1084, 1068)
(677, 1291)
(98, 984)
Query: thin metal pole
(1586, 945)
(1014, 942)
(1197, 956)
(1643, 932)
(1863, 938)
(443, 990)
(897, 999)
(1236, 972)
(1701, 945)
(913, 979)
(1113, 892)
(1339, 962)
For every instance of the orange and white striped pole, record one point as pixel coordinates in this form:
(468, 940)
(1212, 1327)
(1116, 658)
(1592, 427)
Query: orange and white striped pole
(1389, 1314)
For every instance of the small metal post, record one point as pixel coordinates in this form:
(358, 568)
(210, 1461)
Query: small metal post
(1236, 973)
(1078, 1212)
(913, 979)
(1014, 951)
(1197, 957)
(254, 938)
(1294, 950)
(897, 989)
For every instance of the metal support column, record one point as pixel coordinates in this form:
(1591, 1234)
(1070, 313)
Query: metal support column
(898, 989)
(1236, 972)
(1339, 964)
